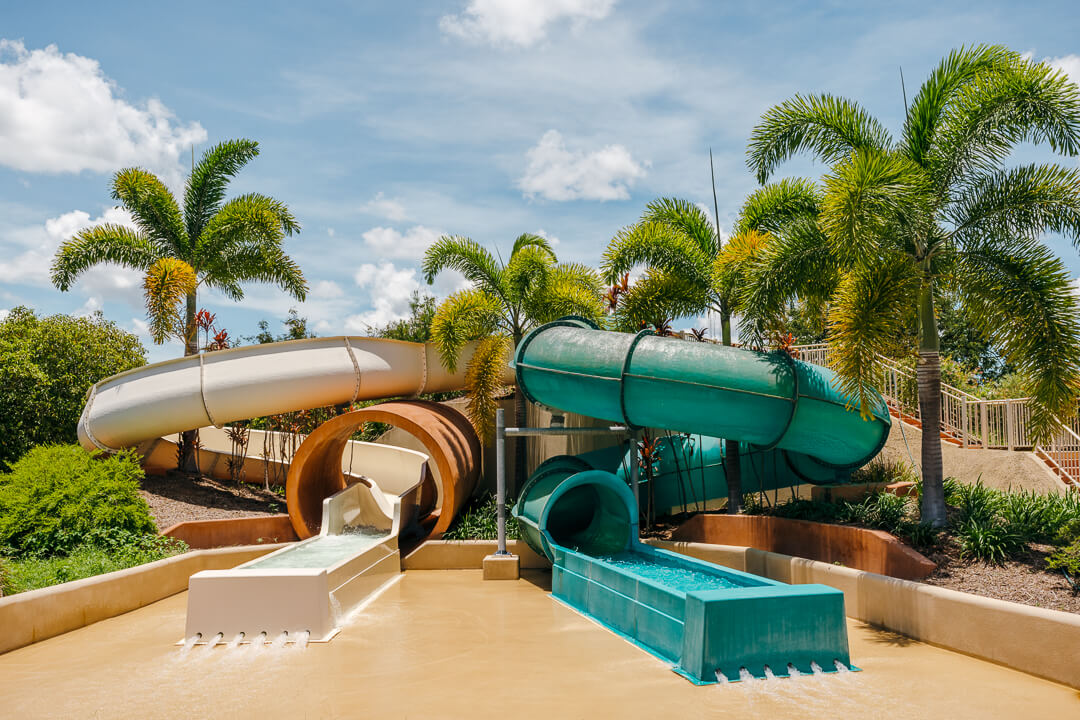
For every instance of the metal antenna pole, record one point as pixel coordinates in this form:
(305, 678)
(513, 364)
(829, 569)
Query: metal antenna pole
(500, 476)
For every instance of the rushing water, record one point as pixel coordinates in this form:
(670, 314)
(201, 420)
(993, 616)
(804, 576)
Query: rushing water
(670, 573)
(323, 551)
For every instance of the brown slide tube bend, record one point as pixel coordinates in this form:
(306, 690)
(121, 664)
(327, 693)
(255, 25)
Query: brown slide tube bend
(447, 436)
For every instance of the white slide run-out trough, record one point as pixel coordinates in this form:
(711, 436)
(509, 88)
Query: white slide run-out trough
(306, 589)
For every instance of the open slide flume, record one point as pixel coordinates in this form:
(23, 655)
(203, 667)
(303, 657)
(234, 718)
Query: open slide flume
(348, 518)
(710, 623)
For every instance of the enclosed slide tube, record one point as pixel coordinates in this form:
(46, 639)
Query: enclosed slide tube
(709, 622)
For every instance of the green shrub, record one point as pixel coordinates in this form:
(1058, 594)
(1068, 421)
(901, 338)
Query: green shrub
(102, 552)
(1067, 559)
(57, 496)
(974, 504)
(1068, 533)
(885, 472)
(885, 511)
(799, 509)
(46, 366)
(919, 535)
(1030, 515)
(990, 540)
(480, 521)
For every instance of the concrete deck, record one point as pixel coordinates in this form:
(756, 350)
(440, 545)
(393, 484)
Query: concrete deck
(444, 644)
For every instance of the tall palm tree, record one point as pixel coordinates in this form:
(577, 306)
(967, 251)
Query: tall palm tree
(223, 242)
(505, 302)
(896, 223)
(681, 248)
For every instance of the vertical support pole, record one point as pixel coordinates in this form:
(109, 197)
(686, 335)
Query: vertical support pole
(500, 476)
(1010, 423)
(984, 425)
(964, 421)
(634, 470)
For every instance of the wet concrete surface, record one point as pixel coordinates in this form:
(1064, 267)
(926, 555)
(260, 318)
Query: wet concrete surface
(444, 644)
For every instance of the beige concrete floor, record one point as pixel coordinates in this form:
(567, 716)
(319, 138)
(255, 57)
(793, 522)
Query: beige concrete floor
(444, 644)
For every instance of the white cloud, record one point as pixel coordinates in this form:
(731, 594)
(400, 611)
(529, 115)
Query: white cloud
(62, 114)
(1068, 64)
(4, 313)
(557, 173)
(520, 22)
(549, 237)
(31, 251)
(391, 289)
(392, 244)
(326, 290)
(384, 207)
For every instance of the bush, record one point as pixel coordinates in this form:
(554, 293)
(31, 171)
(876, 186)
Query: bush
(1066, 559)
(920, 536)
(1068, 533)
(102, 552)
(974, 503)
(885, 472)
(480, 521)
(58, 496)
(991, 540)
(46, 367)
(799, 509)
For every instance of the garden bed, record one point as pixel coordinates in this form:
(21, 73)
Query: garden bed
(175, 498)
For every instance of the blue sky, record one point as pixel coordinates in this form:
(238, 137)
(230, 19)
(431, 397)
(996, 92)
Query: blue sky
(383, 125)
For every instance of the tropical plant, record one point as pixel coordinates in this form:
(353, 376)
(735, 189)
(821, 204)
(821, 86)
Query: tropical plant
(47, 364)
(681, 249)
(896, 224)
(211, 242)
(505, 301)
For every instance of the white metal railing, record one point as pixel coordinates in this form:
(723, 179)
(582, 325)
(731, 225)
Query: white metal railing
(970, 421)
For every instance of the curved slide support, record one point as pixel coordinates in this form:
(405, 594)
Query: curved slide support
(447, 436)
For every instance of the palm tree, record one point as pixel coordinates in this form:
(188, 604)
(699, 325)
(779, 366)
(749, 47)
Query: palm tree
(223, 242)
(895, 224)
(681, 249)
(506, 300)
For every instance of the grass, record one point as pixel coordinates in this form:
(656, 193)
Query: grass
(93, 557)
(480, 521)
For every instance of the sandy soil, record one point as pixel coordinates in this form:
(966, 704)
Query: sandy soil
(175, 498)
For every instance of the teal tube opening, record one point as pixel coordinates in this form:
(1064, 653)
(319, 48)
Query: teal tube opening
(592, 512)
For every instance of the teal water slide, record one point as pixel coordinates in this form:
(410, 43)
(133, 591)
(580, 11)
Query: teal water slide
(579, 511)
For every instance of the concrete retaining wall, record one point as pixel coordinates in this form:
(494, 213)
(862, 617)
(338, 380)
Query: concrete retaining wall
(227, 532)
(467, 555)
(871, 550)
(39, 614)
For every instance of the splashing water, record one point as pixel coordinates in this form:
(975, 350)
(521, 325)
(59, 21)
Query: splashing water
(745, 675)
(190, 643)
(258, 642)
(302, 639)
(721, 677)
(279, 641)
(220, 637)
(816, 668)
(841, 667)
(793, 671)
(235, 641)
(769, 675)
(335, 611)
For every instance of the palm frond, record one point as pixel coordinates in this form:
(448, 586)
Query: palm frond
(686, 218)
(106, 243)
(206, 186)
(527, 272)
(467, 257)
(1021, 297)
(167, 284)
(829, 127)
(1022, 202)
(572, 289)
(960, 67)
(153, 208)
(870, 311)
(1023, 101)
(255, 261)
(483, 383)
(525, 240)
(658, 297)
(658, 246)
(772, 206)
(251, 218)
(464, 316)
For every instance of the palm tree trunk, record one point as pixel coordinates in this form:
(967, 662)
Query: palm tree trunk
(732, 462)
(928, 375)
(188, 460)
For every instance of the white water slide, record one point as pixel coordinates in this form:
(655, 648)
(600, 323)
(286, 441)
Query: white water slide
(305, 589)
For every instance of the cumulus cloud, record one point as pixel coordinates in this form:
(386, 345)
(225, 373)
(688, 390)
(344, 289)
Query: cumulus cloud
(28, 255)
(385, 207)
(391, 289)
(1068, 64)
(556, 172)
(392, 244)
(62, 114)
(518, 23)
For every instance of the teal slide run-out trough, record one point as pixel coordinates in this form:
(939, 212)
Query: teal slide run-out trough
(702, 618)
